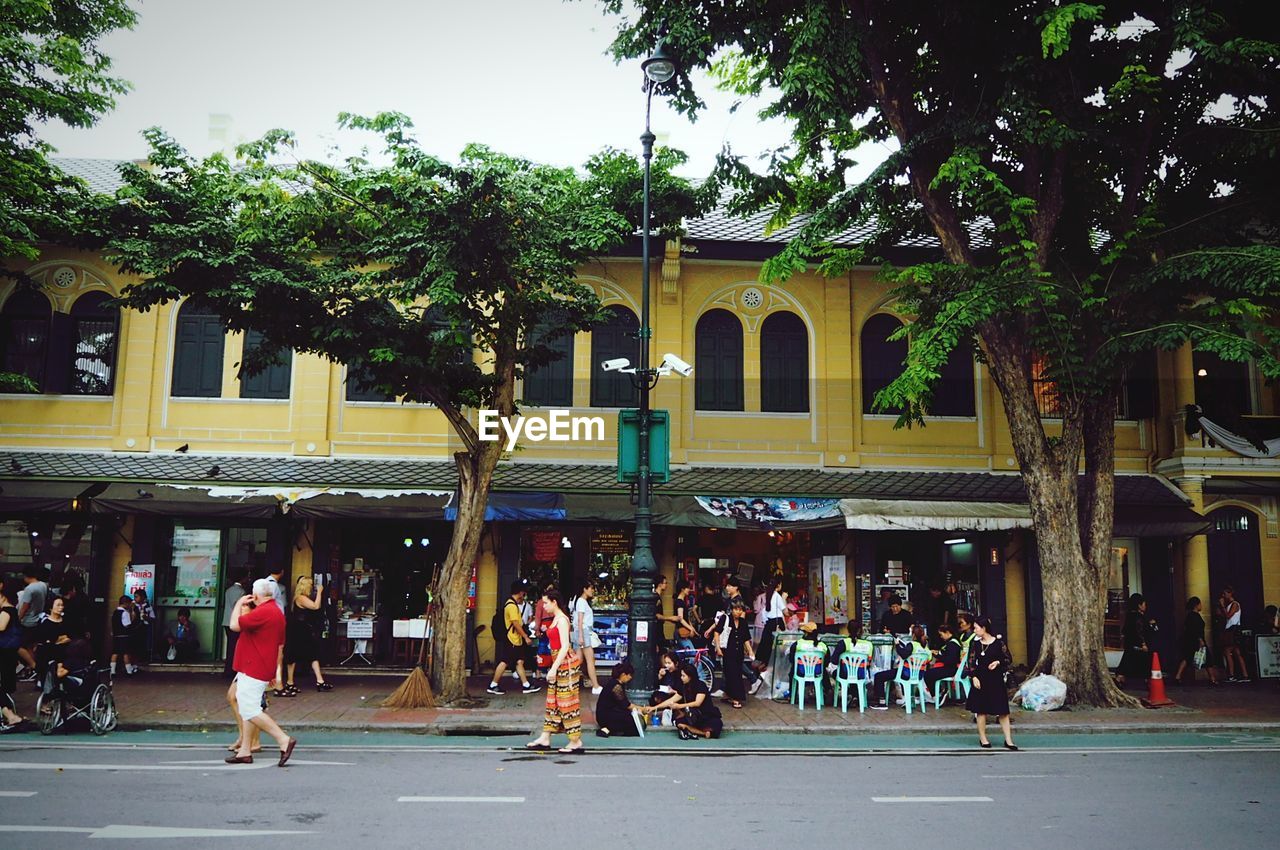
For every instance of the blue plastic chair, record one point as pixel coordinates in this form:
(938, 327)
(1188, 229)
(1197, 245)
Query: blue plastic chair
(854, 671)
(957, 685)
(910, 676)
(808, 671)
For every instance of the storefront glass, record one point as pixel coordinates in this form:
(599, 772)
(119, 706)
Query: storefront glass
(1123, 579)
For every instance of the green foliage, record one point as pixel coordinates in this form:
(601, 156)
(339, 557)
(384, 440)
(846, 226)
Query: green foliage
(1100, 179)
(402, 270)
(50, 70)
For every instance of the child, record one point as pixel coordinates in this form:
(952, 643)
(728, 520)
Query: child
(122, 628)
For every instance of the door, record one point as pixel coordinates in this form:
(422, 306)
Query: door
(1235, 558)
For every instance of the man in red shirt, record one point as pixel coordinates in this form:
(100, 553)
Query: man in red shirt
(260, 623)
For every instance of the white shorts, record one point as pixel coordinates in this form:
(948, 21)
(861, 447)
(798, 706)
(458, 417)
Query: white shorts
(249, 693)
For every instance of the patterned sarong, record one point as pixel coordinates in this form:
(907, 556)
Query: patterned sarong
(564, 711)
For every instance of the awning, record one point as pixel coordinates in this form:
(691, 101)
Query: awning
(910, 515)
(1159, 521)
(517, 506)
(17, 497)
(667, 510)
(369, 504)
(162, 500)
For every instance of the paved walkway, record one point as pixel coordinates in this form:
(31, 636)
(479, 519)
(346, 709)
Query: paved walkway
(196, 702)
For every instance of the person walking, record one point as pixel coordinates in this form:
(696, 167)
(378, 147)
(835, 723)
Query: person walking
(301, 645)
(1193, 640)
(737, 649)
(1136, 661)
(989, 660)
(563, 712)
(582, 633)
(511, 641)
(10, 640)
(276, 577)
(1232, 658)
(229, 600)
(261, 625)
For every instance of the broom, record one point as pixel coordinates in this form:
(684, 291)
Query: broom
(415, 690)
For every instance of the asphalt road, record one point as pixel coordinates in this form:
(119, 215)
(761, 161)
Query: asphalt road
(152, 791)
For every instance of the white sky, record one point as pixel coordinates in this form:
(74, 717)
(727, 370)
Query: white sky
(526, 77)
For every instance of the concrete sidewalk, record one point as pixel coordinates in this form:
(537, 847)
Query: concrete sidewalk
(184, 701)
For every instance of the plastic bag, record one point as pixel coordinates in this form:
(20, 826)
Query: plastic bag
(1042, 693)
(1201, 657)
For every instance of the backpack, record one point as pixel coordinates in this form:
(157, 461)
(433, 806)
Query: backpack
(11, 637)
(499, 623)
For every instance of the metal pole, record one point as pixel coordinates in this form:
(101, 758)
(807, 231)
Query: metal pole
(643, 567)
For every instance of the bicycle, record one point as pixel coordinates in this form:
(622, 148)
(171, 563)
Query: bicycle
(702, 661)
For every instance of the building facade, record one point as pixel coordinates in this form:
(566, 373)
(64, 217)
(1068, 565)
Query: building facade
(146, 461)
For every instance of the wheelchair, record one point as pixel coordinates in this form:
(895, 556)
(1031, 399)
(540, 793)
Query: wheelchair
(82, 693)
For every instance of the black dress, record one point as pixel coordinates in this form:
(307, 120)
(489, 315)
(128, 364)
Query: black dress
(734, 655)
(1192, 637)
(1136, 661)
(991, 699)
(300, 636)
(612, 711)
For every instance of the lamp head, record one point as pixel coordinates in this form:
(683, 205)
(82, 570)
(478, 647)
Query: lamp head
(660, 66)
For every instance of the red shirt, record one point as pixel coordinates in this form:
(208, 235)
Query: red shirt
(261, 636)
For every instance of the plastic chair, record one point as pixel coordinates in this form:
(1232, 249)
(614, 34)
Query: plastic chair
(957, 685)
(910, 676)
(808, 670)
(854, 670)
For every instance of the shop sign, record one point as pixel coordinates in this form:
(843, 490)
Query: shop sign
(605, 541)
(360, 629)
(545, 546)
(768, 509)
(471, 589)
(140, 577)
(1268, 656)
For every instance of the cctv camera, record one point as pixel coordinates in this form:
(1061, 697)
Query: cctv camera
(675, 364)
(616, 365)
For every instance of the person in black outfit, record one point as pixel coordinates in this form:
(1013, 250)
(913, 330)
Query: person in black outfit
(948, 661)
(737, 649)
(884, 678)
(989, 660)
(700, 716)
(76, 611)
(942, 610)
(1138, 628)
(1192, 641)
(668, 678)
(615, 714)
(899, 620)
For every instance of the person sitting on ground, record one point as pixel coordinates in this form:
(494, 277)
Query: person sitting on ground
(615, 714)
(946, 663)
(182, 637)
(698, 716)
(884, 678)
(899, 620)
(668, 678)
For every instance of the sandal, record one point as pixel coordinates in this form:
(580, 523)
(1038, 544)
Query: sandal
(571, 750)
(542, 748)
(323, 686)
(736, 704)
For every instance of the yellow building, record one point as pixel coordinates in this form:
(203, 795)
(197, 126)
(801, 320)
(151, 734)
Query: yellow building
(145, 458)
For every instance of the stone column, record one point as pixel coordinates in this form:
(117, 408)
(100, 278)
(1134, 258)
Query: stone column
(1195, 554)
(1015, 596)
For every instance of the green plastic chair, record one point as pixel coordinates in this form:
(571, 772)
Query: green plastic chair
(854, 670)
(808, 670)
(910, 676)
(958, 684)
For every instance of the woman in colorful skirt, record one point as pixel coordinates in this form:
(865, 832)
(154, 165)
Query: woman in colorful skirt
(563, 712)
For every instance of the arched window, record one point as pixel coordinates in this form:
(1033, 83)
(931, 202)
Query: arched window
(361, 386)
(617, 336)
(1223, 387)
(197, 353)
(953, 393)
(717, 373)
(551, 385)
(95, 332)
(26, 317)
(881, 358)
(784, 364)
(272, 382)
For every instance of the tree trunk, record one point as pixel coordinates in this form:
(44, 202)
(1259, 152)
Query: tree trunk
(1073, 534)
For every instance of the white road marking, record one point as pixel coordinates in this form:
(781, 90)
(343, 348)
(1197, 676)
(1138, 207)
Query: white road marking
(932, 800)
(116, 830)
(612, 776)
(460, 800)
(17, 793)
(257, 765)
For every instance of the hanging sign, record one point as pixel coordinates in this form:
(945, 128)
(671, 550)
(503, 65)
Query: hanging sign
(769, 510)
(609, 542)
(545, 546)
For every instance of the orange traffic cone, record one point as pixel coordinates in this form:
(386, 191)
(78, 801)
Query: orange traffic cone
(1156, 697)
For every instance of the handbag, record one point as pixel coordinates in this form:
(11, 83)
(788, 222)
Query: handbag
(594, 641)
(1201, 657)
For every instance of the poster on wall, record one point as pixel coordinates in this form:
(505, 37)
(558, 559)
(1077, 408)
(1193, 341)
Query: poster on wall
(195, 562)
(769, 510)
(140, 577)
(835, 590)
(815, 589)
(1268, 656)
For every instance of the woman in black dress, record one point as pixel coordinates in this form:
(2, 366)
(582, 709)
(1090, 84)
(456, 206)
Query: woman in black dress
(1136, 661)
(737, 649)
(300, 644)
(615, 714)
(1191, 643)
(989, 660)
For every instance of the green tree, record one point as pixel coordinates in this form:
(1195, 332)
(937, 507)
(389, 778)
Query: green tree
(438, 282)
(1100, 178)
(52, 70)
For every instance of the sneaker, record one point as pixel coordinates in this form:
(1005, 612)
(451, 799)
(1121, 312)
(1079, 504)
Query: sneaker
(942, 698)
(493, 689)
(879, 707)
(755, 686)
(899, 702)
(29, 675)
(718, 693)
(531, 688)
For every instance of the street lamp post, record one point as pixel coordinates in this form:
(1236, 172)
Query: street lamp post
(658, 68)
